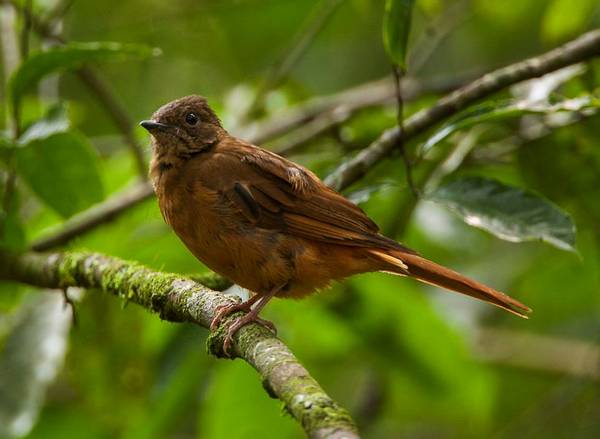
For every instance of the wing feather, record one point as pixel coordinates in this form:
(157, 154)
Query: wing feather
(273, 192)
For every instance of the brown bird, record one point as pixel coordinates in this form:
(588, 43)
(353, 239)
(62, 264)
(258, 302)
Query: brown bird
(269, 224)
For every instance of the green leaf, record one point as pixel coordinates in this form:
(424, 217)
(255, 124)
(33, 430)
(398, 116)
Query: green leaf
(498, 111)
(56, 121)
(508, 212)
(70, 56)
(61, 169)
(396, 27)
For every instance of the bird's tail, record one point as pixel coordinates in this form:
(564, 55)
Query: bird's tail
(408, 264)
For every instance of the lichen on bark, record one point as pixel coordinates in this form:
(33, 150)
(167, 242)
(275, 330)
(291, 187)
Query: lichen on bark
(177, 298)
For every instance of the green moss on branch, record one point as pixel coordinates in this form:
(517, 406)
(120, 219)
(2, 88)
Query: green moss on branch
(179, 299)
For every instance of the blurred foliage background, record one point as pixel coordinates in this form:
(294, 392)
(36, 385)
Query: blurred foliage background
(407, 360)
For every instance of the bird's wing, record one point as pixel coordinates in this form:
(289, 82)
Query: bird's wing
(274, 193)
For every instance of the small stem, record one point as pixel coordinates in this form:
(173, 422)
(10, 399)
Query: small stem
(107, 98)
(398, 75)
(298, 47)
(12, 57)
(118, 113)
(26, 30)
(583, 48)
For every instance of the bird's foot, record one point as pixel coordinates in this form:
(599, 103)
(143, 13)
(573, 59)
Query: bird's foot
(225, 310)
(251, 317)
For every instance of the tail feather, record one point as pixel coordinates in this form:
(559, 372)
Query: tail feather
(426, 271)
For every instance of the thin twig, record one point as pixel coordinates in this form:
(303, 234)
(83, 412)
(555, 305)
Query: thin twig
(316, 22)
(59, 11)
(118, 113)
(583, 48)
(538, 352)
(11, 53)
(436, 33)
(26, 29)
(109, 100)
(398, 75)
(579, 50)
(370, 94)
(179, 299)
(95, 216)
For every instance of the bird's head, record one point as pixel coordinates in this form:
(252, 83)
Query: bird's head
(183, 128)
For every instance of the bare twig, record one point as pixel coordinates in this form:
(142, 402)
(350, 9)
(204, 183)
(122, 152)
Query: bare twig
(377, 92)
(118, 113)
(95, 216)
(538, 352)
(455, 14)
(292, 142)
(12, 57)
(179, 299)
(398, 75)
(26, 29)
(315, 23)
(370, 94)
(111, 103)
(374, 93)
(585, 47)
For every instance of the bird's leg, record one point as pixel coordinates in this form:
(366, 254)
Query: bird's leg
(224, 310)
(251, 317)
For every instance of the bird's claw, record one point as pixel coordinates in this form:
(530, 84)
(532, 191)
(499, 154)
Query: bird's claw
(223, 311)
(243, 321)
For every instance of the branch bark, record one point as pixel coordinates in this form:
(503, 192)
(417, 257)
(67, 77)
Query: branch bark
(93, 217)
(585, 47)
(351, 100)
(179, 299)
(370, 94)
(538, 352)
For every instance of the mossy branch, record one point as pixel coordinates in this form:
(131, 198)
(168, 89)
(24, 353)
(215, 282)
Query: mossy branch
(179, 299)
(583, 48)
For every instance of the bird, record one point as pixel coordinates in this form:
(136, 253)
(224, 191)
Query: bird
(268, 224)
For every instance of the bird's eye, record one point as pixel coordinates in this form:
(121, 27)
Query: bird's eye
(191, 118)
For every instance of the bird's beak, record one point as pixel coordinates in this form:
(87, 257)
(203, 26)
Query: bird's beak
(151, 125)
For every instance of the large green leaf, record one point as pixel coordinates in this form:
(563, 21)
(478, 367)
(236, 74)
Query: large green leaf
(508, 212)
(498, 111)
(396, 27)
(61, 169)
(70, 56)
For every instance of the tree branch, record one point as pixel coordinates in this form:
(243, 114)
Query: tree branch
(324, 112)
(280, 70)
(371, 94)
(351, 100)
(94, 216)
(538, 352)
(585, 47)
(179, 299)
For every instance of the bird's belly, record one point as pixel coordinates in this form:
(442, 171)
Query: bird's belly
(263, 259)
(250, 258)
